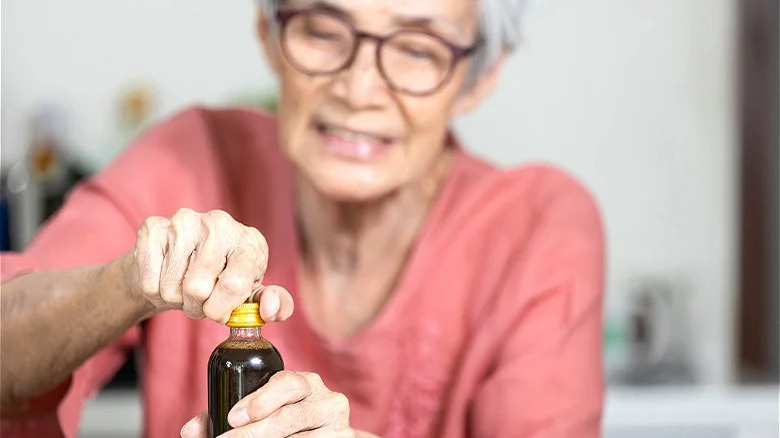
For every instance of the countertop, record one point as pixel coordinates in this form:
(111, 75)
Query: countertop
(630, 412)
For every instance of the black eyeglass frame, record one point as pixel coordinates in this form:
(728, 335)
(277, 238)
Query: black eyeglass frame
(459, 53)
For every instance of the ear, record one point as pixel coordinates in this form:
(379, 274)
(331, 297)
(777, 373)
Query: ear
(268, 41)
(481, 89)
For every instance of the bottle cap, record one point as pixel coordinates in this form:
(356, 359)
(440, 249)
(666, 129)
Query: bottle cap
(246, 315)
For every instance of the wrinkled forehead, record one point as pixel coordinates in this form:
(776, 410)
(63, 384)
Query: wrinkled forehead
(454, 18)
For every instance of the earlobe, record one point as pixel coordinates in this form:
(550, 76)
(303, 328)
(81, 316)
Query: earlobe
(483, 86)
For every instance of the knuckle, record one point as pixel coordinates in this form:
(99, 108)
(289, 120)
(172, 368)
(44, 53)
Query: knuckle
(170, 296)
(219, 224)
(291, 380)
(155, 222)
(179, 215)
(234, 284)
(183, 219)
(313, 379)
(341, 404)
(248, 240)
(148, 286)
(257, 406)
(304, 380)
(185, 212)
(197, 288)
(279, 377)
(218, 217)
(149, 225)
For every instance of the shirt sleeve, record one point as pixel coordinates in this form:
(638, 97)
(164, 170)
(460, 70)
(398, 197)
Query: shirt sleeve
(91, 228)
(174, 164)
(546, 379)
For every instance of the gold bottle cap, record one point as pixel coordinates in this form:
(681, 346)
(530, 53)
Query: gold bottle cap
(246, 315)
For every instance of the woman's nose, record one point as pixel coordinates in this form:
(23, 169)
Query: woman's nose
(361, 84)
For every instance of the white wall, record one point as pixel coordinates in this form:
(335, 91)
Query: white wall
(82, 52)
(635, 97)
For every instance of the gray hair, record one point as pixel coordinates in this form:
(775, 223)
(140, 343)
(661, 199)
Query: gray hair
(499, 28)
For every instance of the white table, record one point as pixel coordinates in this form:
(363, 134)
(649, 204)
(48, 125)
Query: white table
(655, 412)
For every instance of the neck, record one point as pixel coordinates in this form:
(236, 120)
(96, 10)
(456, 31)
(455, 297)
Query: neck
(353, 252)
(245, 332)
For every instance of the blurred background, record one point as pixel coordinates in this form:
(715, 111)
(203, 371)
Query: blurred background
(667, 110)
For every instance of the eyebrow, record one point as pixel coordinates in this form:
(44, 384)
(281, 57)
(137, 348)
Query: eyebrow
(416, 21)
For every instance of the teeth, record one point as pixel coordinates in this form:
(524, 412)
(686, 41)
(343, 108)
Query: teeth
(352, 136)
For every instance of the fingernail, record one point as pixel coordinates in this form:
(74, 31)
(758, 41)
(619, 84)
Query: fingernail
(238, 418)
(272, 304)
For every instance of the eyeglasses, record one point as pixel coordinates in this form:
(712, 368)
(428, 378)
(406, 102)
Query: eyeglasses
(318, 42)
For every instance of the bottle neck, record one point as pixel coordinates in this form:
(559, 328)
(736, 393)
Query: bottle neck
(245, 333)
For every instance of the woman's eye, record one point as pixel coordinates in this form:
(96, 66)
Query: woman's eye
(322, 34)
(418, 53)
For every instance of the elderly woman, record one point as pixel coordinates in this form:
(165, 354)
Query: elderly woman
(437, 295)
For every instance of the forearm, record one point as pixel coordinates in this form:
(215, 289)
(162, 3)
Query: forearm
(52, 322)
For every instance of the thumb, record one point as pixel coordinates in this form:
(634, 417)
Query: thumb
(198, 427)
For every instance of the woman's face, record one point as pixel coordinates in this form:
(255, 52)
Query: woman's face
(349, 133)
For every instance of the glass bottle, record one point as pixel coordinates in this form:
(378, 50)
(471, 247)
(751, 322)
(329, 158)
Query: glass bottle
(240, 365)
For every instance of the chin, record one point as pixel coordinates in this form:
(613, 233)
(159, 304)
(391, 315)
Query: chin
(350, 185)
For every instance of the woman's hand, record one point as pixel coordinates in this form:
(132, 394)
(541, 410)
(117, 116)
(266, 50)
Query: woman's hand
(205, 264)
(290, 404)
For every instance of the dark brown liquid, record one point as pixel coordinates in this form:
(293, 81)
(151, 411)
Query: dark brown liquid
(236, 369)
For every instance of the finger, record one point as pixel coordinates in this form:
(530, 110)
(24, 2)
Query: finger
(208, 262)
(276, 303)
(150, 248)
(235, 283)
(324, 433)
(284, 388)
(256, 241)
(285, 421)
(184, 233)
(197, 427)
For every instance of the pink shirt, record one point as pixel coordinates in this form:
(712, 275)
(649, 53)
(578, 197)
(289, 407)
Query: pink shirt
(494, 329)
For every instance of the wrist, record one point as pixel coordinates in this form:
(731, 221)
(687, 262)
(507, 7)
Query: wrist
(117, 275)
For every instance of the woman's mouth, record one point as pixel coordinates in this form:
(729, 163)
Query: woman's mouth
(351, 144)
